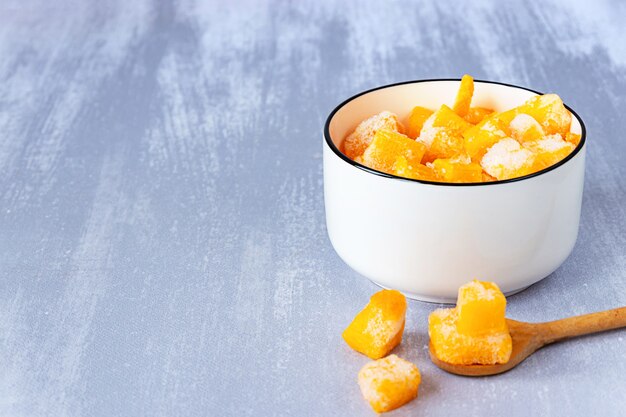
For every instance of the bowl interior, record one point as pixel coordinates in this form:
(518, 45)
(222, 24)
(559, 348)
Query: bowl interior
(401, 98)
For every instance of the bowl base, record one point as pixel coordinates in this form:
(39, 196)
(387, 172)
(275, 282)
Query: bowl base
(440, 300)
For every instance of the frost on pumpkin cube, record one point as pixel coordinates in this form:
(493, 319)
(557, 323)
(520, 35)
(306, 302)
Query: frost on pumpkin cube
(549, 150)
(387, 146)
(481, 307)
(442, 134)
(389, 383)
(479, 138)
(378, 328)
(475, 331)
(525, 128)
(402, 168)
(507, 159)
(355, 144)
(550, 112)
(458, 169)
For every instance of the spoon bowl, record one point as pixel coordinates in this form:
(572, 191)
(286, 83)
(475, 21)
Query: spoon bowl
(529, 337)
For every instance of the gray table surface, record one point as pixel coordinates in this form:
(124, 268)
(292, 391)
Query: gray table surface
(163, 250)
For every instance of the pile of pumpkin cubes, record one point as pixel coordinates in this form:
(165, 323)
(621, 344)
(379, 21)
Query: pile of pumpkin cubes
(473, 332)
(463, 143)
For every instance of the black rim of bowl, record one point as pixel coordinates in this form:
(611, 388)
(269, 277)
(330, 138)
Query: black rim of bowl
(331, 144)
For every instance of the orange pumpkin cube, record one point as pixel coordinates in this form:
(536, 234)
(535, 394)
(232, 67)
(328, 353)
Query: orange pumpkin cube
(488, 178)
(481, 307)
(550, 112)
(442, 134)
(355, 144)
(387, 146)
(389, 383)
(458, 170)
(464, 96)
(378, 328)
(548, 150)
(475, 331)
(573, 138)
(479, 138)
(524, 128)
(445, 118)
(402, 168)
(476, 115)
(503, 119)
(416, 120)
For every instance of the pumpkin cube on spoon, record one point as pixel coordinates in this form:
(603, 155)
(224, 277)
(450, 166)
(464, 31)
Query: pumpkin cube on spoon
(475, 331)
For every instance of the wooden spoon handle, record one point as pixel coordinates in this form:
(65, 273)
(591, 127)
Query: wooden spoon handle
(585, 324)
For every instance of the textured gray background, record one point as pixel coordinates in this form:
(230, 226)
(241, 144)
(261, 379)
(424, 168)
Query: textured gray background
(162, 242)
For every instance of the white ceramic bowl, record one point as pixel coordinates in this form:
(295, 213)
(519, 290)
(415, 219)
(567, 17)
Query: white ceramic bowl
(426, 239)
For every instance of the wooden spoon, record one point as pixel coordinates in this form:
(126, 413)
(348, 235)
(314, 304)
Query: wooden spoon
(529, 337)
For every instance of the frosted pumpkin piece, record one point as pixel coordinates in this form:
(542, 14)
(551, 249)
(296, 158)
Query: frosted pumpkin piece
(387, 146)
(402, 168)
(476, 115)
(550, 112)
(504, 118)
(573, 138)
(479, 138)
(524, 128)
(355, 144)
(444, 117)
(459, 169)
(464, 96)
(548, 150)
(488, 178)
(451, 346)
(481, 307)
(416, 120)
(507, 159)
(389, 383)
(378, 328)
(442, 134)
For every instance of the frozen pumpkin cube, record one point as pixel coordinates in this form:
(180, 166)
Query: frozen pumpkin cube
(481, 307)
(550, 112)
(476, 115)
(524, 128)
(459, 169)
(479, 138)
(488, 178)
(449, 120)
(402, 168)
(389, 383)
(445, 144)
(549, 150)
(507, 159)
(416, 120)
(355, 144)
(378, 328)
(451, 346)
(573, 138)
(504, 118)
(464, 96)
(387, 146)
(442, 134)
